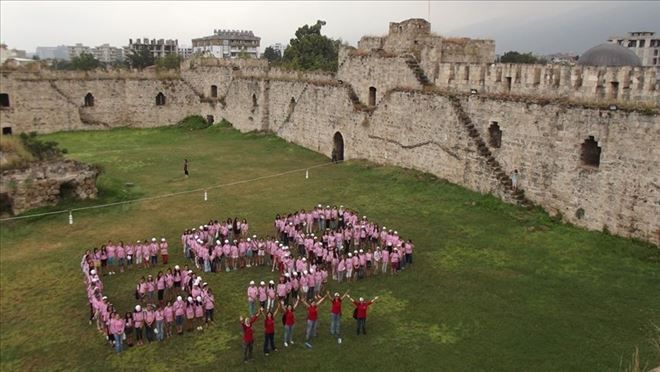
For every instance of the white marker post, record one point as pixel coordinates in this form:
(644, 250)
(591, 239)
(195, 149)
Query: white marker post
(306, 174)
(70, 218)
(206, 196)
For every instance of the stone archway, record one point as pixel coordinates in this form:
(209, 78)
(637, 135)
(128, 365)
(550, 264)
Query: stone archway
(338, 147)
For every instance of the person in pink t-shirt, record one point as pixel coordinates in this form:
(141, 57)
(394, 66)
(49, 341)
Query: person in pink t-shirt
(179, 312)
(138, 324)
(209, 306)
(164, 251)
(168, 314)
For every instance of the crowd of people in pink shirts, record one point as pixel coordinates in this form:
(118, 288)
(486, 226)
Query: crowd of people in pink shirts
(308, 249)
(183, 301)
(119, 256)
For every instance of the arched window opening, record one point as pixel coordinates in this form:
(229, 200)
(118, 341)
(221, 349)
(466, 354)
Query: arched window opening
(6, 131)
(494, 135)
(590, 152)
(160, 99)
(214, 91)
(372, 96)
(89, 100)
(4, 100)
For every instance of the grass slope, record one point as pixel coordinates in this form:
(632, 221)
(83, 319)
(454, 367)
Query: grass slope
(493, 287)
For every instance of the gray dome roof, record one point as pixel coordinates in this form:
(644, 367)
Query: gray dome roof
(609, 55)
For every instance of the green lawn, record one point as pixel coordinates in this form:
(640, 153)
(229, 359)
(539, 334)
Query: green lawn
(493, 286)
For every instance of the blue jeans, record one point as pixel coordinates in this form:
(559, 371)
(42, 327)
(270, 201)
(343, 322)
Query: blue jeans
(159, 326)
(207, 265)
(252, 307)
(311, 330)
(335, 324)
(288, 333)
(118, 342)
(361, 325)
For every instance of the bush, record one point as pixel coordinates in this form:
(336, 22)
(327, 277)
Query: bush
(193, 122)
(41, 150)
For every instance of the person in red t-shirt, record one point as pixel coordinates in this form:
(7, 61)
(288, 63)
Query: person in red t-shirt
(360, 313)
(289, 320)
(312, 317)
(269, 330)
(248, 336)
(335, 314)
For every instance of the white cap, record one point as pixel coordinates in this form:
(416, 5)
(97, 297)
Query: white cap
(138, 241)
(384, 228)
(162, 239)
(199, 298)
(190, 271)
(287, 275)
(327, 206)
(190, 298)
(341, 206)
(93, 272)
(355, 251)
(94, 280)
(178, 298)
(226, 241)
(336, 294)
(248, 239)
(176, 267)
(104, 298)
(254, 236)
(205, 284)
(251, 282)
(295, 273)
(201, 227)
(361, 251)
(153, 239)
(396, 233)
(364, 217)
(138, 308)
(271, 282)
(277, 242)
(304, 259)
(217, 242)
(350, 254)
(318, 206)
(196, 236)
(262, 283)
(361, 299)
(312, 270)
(305, 272)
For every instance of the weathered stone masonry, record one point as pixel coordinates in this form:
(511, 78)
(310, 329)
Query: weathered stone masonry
(411, 124)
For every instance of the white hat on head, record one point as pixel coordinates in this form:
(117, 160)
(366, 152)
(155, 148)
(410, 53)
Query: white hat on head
(199, 298)
(336, 294)
(162, 239)
(139, 241)
(305, 272)
(176, 267)
(318, 206)
(104, 298)
(201, 227)
(262, 283)
(364, 217)
(341, 206)
(94, 280)
(361, 299)
(190, 271)
(271, 282)
(190, 298)
(327, 206)
(350, 254)
(295, 273)
(312, 270)
(287, 275)
(194, 229)
(355, 251)
(226, 241)
(196, 236)
(248, 239)
(277, 242)
(138, 308)
(217, 242)
(304, 259)
(361, 251)
(93, 272)
(254, 236)
(251, 282)
(178, 298)
(153, 239)
(396, 233)
(384, 228)
(205, 284)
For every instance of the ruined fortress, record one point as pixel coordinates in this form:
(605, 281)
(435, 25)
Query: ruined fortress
(584, 138)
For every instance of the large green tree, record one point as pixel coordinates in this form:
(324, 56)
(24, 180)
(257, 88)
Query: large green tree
(85, 61)
(140, 58)
(272, 55)
(516, 57)
(169, 62)
(310, 50)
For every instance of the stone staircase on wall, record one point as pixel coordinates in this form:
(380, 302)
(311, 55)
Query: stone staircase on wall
(517, 195)
(412, 63)
(62, 94)
(296, 100)
(202, 97)
(355, 100)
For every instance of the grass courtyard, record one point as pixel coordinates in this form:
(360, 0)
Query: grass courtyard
(493, 286)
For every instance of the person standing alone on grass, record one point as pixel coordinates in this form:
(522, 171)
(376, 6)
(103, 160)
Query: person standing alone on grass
(360, 313)
(185, 168)
(514, 180)
(312, 317)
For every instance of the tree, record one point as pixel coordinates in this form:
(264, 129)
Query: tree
(272, 55)
(515, 57)
(310, 50)
(140, 58)
(85, 61)
(169, 62)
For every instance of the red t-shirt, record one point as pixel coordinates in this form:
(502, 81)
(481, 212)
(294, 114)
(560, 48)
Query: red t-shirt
(269, 326)
(289, 318)
(312, 312)
(362, 309)
(336, 306)
(247, 330)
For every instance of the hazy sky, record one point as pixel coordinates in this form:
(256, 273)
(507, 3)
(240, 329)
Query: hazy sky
(28, 24)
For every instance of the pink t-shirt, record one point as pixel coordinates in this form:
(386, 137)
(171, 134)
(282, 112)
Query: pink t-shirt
(252, 292)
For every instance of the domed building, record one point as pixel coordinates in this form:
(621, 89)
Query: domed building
(609, 55)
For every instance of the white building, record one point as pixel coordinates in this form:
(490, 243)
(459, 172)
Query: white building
(228, 44)
(108, 54)
(278, 47)
(158, 48)
(77, 50)
(185, 52)
(645, 44)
